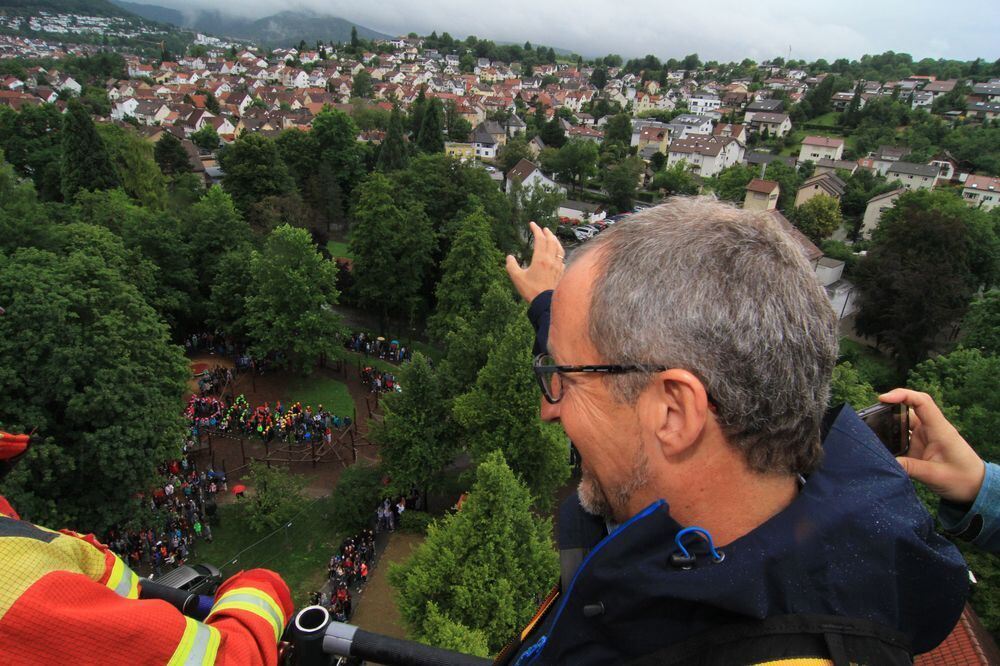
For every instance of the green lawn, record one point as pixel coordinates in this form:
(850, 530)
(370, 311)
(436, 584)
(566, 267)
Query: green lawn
(316, 390)
(299, 553)
(829, 119)
(339, 249)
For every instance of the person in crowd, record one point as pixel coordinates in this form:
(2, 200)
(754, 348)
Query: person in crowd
(687, 353)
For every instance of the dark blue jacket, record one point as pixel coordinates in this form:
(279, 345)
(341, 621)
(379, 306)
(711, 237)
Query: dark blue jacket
(855, 542)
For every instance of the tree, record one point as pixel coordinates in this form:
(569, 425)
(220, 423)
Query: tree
(416, 436)
(253, 170)
(552, 134)
(459, 129)
(599, 78)
(981, 326)
(536, 203)
(922, 240)
(291, 299)
(355, 42)
(337, 140)
(731, 183)
(276, 496)
(393, 244)
(619, 128)
(417, 114)
(206, 138)
(848, 386)
(481, 569)
(85, 161)
(392, 153)
(788, 180)
(473, 262)
(230, 287)
(501, 413)
(622, 180)
(137, 172)
(355, 497)
(32, 143)
(676, 179)
(362, 85)
(107, 410)
(214, 225)
(431, 137)
(171, 156)
(818, 217)
(574, 162)
(511, 153)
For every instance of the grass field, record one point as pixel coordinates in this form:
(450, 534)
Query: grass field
(299, 553)
(339, 249)
(829, 119)
(317, 390)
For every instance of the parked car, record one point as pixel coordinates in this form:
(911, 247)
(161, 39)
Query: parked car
(584, 233)
(198, 578)
(566, 232)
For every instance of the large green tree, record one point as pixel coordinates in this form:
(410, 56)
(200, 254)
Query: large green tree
(981, 326)
(290, 303)
(32, 142)
(393, 242)
(417, 437)
(337, 139)
(482, 568)
(213, 226)
(431, 136)
(254, 170)
(105, 410)
(135, 166)
(392, 153)
(512, 152)
(622, 181)
(501, 413)
(818, 217)
(85, 161)
(619, 128)
(575, 162)
(473, 262)
(731, 183)
(848, 386)
(275, 497)
(170, 155)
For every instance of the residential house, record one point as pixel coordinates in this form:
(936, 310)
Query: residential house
(921, 99)
(816, 147)
(703, 102)
(705, 155)
(826, 165)
(581, 211)
(876, 206)
(986, 92)
(914, 176)
(771, 124)
(586, 133)
(886, 156)
(825, 183)
(686, 124)
(125, 108)
(484, 142)
(938, 88)
(761, 195)
(983, 191)
(655, 136)
(528, 175)
(765, 106)
(760, 158)
(738, 132)
(983, 110)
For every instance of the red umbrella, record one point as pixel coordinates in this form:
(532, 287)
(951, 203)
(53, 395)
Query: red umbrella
(239, 489)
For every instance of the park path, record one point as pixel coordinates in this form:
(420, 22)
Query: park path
(376, 606)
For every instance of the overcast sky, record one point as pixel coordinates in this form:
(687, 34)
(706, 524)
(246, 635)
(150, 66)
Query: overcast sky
(719, 30)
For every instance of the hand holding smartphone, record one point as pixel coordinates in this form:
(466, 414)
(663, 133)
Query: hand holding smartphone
(891, 422)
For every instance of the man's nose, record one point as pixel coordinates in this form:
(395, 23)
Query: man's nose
(549, 412)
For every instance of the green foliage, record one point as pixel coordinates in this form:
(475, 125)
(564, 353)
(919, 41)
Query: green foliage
(32, 142)
(501, 413)
(415, 521)
(417, 436)
(275, 496)
(289, 306)
(392, 154)
(926, 238)
(170, 155)
(393, 244)
(618, 128)
(473, 262)
(356, 496)
(537, 203)
(512, 152)
(981, 326)
(213, 226)
(848, 386)
(136, 170)
(482, 568)
(551, 133)
(107, 410)
(336, 137)
(818, 217)
(964, 384)
(731, 183)
(85, 161)
(206, 138)
(676, 179)
(622, 180)
(230, 287)
(362, 85)
(254, 170)
(788, 180)
(431, 136)
(575, 162)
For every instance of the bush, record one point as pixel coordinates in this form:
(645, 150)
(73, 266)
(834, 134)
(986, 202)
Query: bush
(872, 367)
(415, 521)
(356, 497)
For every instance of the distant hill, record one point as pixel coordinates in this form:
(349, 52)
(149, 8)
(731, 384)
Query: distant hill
(81, 7)
(282, 29)
(152, 12)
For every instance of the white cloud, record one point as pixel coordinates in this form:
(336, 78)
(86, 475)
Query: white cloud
(721, 30)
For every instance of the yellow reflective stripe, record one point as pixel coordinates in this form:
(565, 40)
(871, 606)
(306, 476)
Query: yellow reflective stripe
(198, 646)
(123, 581)
(251, 605)
(117, 572)
(133, 586)
(254, 592)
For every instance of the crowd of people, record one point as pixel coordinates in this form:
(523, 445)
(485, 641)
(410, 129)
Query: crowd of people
(388, 514)
(379, 381)
(294, 424)
(183, 509)
(379, 347)
(348, 568)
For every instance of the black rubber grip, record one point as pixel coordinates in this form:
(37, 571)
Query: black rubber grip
(398, 652)
(185, 602)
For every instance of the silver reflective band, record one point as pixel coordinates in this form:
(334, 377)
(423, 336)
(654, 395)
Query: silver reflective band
(338, 638)
(199, 646)
(125, 584)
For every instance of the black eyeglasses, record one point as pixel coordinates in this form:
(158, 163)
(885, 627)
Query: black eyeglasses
(547, 373)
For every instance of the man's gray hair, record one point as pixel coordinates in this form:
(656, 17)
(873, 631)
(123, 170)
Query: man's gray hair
(728, 295)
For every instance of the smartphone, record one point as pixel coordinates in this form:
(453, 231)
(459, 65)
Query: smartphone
(892, 425)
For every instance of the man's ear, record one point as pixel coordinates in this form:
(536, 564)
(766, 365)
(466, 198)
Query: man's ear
(678, 409)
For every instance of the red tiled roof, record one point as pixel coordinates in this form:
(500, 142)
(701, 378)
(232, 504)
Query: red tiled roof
(825, 141)
(762, 186)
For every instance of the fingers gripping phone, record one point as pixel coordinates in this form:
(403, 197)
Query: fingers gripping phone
(892, 425)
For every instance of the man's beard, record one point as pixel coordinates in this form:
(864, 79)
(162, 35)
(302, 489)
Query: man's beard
(612, 503)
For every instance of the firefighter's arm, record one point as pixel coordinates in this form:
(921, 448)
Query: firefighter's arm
(250, 612)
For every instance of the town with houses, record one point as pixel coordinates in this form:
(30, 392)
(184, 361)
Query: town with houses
(712, 125)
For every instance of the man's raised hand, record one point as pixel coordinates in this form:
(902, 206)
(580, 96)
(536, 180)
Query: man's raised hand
(546, 265)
